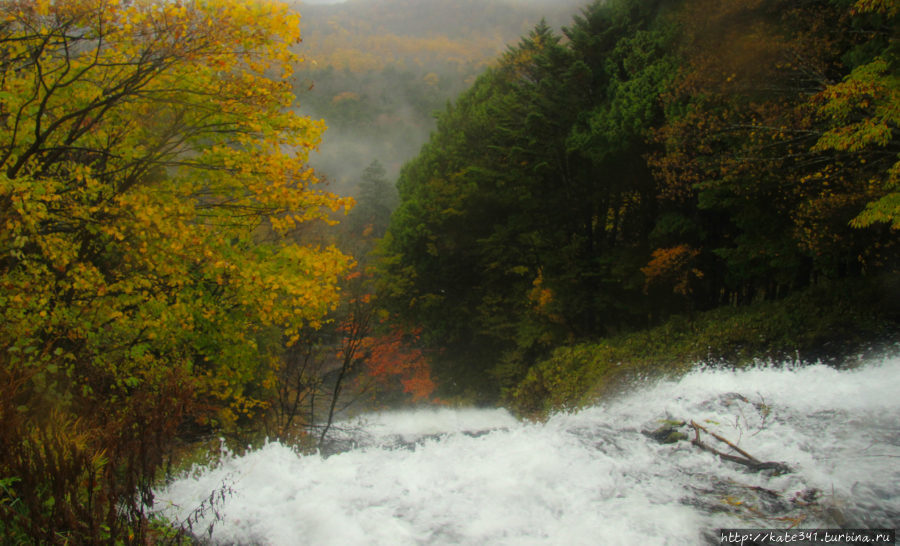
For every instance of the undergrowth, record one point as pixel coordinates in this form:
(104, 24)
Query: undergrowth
(836, 323)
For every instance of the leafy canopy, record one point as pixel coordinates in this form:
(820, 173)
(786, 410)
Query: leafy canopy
(151, 172)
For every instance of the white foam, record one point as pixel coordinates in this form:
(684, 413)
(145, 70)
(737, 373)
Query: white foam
(409, 425)
(589, 477)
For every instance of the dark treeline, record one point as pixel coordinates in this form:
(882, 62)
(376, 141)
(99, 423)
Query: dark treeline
(655, 158)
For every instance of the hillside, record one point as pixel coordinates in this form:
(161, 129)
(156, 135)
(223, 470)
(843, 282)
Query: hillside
(377, 70)
(653, 159)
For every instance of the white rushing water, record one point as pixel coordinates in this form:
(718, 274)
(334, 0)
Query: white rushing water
(477, 477)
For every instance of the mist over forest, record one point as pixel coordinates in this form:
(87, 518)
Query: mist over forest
(377, 71)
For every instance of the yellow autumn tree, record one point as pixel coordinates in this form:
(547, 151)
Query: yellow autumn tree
(151, 172)
(862, 116)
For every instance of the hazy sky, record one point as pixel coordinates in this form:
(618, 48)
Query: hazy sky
(341, 1)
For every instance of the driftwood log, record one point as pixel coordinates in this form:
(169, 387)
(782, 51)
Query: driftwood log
(743, 458)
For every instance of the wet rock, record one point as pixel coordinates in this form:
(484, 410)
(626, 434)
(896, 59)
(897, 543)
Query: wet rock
(668, 433)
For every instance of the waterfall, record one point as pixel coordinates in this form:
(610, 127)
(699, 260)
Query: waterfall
(595, 476)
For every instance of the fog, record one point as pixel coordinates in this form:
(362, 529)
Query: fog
(378, 71)
(520, 2)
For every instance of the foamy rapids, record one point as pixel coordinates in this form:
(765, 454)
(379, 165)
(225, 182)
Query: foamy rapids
(477, 477)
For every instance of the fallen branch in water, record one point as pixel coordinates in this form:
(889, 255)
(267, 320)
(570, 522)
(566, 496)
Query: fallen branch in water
(745, 459)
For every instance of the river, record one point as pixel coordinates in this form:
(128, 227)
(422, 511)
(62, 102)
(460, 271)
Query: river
(476, 477)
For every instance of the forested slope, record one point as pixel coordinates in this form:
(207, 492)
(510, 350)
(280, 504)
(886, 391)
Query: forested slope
(655, 158)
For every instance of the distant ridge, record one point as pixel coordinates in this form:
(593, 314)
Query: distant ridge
(377, 70)
(418, 32)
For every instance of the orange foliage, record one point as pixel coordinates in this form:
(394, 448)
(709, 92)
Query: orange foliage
(394, 355)
(673, 266)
